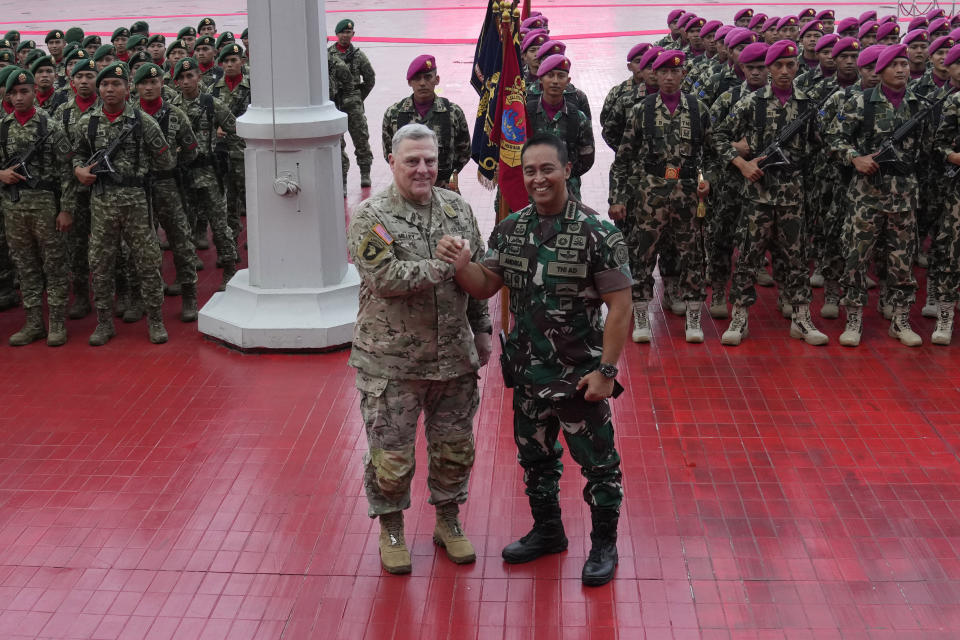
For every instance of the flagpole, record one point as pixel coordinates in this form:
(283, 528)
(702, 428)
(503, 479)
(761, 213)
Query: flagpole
(510, 12)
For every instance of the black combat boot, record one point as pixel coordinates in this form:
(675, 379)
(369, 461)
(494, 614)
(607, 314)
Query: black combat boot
(547, 535)
(602, 561)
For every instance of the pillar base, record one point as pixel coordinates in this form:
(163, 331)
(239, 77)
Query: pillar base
(253, 318)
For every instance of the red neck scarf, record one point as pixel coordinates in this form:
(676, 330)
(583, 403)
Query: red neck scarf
(112, 116)
(24, 118)
(43, 97)
(206, 67)
(342, 49)
(152, 106)
(85, 103)
(7, 106)
(233, 81)
(124, 57)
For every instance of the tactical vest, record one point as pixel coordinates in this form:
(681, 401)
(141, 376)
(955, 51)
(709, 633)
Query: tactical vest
(653, 164)
(137, 133)
(760, 121)
(445, 135)
(869, 115)
(573, 128)
(42, 127)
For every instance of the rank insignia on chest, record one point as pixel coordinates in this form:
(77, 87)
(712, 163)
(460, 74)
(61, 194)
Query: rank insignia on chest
(449, 211)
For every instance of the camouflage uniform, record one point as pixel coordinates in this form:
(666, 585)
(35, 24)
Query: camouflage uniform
(237, 101)
(8, 296)
(719, 83)
(557, 268)
(122, 211)
(341, 86)
(656, 144)
(616, 106)
(206, 115)
(413, 346)
(351, 103)
(773, 219)
(571, 94)
(210, 77)
(930, 200)
(37, 248)
(944, 274)
(879, 212)
(446, 120)
(574, 128)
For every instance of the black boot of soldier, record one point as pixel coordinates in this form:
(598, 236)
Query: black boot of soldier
(547, 535)
(601, 564)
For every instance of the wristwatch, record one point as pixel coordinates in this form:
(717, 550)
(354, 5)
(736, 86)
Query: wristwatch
(608, 370)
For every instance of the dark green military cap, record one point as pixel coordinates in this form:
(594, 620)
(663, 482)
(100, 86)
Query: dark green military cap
(8, 56)
(76, 54)
(69, 48)
(31, 57)
(140, 26)
(135, 40)
(74, 34)
(232, 49)
(114, 70)
(6, 44)
(104, 50)
(206, 22)
(138, 57)
(186, 32)
(42, 61)
(91, 39)
(343, 25)
(224, 39)
(208, 41)
(243, 36)
(120, 32)
(5, 73)
(157, 37)
(176, 44)
(84, 65)
(184, 65)
(147, 71)
(13, 34)
(26, 44)
(54, 34)
(18, 76)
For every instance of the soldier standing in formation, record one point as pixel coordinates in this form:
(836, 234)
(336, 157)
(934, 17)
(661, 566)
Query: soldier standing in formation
(352, 96)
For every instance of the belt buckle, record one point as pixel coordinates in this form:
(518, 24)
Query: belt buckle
(672, 173)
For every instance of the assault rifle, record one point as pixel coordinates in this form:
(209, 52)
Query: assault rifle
(101, 160)
(20, 164)
(774, 155)
(888, 156)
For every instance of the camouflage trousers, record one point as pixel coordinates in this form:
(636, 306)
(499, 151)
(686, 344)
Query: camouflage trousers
(830, 252)
(7, 272)
(236, 187)
(779, 229)
(588, 430)
(722, 216)
(111, 221)
(344, 159)
(390, 410)
(866, 229)
(671, 211)
(944, 272)
(207, 197)
(359, 134)
(37, 249)
(169, 212)
(78, 240)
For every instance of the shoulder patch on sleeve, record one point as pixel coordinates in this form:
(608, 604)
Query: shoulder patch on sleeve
(373, 249)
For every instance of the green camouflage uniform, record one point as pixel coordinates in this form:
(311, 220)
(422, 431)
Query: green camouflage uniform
(122, 211)
(363, 78)
(206, 115)
(557, 268)
(574, 128)
(616, 106)
(649, 151)
(571, 94)
(772, 218)
(340, 86)
(717, 84)
(413, 345)
(446, 120)
(944, 273)
(930, 198)
(8, 296)
(879, 212)
(210, 77)
(237, 101)
(37, 248)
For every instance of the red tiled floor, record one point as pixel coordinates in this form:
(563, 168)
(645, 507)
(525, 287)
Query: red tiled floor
(189, 491)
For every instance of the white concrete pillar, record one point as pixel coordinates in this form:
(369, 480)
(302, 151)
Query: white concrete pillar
(299, 291)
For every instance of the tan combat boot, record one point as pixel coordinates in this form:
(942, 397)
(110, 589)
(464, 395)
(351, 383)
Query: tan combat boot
(641, 323)
(831, 300)
(32, 330)
(854, 328)
(57, 335)
(394, 555)
(105, 329)
(449, 535)
(158, 333)
(901, 330)
(802, 327)
(944, 330)
(738, 329)
(693, 332)
(718, 302)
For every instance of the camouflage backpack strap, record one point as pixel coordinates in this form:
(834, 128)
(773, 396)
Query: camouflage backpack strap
(869, 111)
(760, 121)
(696, 123)
(573, 126)
(206, 108)
(735, 95)
(4, 137)
(446, 136)
(66, 120)
(163, 119)
(92, 125)
(215, 91)
(649, 123)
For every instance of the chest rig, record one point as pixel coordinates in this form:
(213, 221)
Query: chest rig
(690, 129)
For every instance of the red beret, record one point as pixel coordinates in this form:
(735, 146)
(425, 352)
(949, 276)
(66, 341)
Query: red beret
(847, 24)
(955, 34)
(695, 23)
(888, 29)
(771, 23)
(943, 42)
(650, 56)
(534, 38)
(421, 64)
(916, 34)
(684, 19)
(676, 14)
(827, 14)
(743, 13)
(637, 50)
(550, 48)
(869, 55)
(670, 59)
(757, 20)
(710, 27)
(556, 62)
(826, 41)
(868, 27)
(937, 24)
(534, 22)
(887, 18)
(866, 16)
(780, 49)
(737, 36)
(787, 21)
(933, 14)
(813, 25)
(754, 52)
(723, 31)
(845, 44)
(953, 56)
(890, 54)
(809, 12)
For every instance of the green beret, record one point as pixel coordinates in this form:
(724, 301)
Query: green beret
(84, 65)
(70, 48)
(135, 40)
(232, 49)
(114, 70)
(54, 34)
(18, 76)
(8, 56)
(5, 73)
(104, 50)
(176, 44)
(243, 36)
(206, 41)
(13, 34)
(91, 39)
(138, 57)
(343, 25)
(184, 65)
(140, 26)
(186, 32)
(224, 39)
(26, 44)
(42, 61)
(157, 37)
(120, 32)
(74, 34)
(206, 22)
(146, 72)
(31, 57)
(6, 44)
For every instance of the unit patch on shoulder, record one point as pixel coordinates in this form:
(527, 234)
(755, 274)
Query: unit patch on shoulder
(373, 249)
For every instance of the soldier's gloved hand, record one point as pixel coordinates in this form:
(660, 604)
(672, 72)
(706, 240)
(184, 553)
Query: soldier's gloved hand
(484, 344)
(617, 212)
(865, 165)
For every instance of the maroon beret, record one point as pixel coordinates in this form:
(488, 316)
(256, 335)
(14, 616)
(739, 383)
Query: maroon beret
(421, 64)
(758, 20)
(722, 32)
(867, 16)
(847, 24)
(710, 27)
(771, 23)
(551, 48)
(534, 38)
(888, 29)
(813, 25)
(933, 14)
(890, 54)
(675, 15)
(754, 52)
(743, 13)
(650, 56)
(556, 62)
(787, 21)
(670, 59)
(826, 41)
(943, 42)
(637, 50)
(809, 12)
(781, 49)
(916, 34)
(869, 55)
(827, 14)
(937, 24)
(953, 56)
(847, 44)
(868, 27)
(737, 36)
